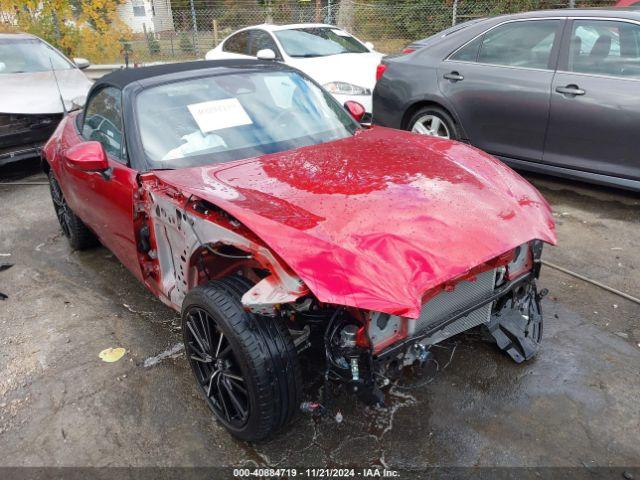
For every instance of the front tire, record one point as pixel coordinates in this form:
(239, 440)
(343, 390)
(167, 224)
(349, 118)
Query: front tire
(246, 367)
(80, 237)
(435, 122)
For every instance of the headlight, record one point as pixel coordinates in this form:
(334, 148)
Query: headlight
(521, 263)
(344, 88)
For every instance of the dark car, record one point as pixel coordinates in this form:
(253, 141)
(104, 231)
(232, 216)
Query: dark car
(549, 91)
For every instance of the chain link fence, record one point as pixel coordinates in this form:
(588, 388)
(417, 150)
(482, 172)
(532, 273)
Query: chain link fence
(178, 30)
(393, 26)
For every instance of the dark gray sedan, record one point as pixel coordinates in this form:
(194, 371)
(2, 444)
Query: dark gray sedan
(551, 91)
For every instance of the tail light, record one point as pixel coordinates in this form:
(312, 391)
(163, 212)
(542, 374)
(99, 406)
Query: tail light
(380, 71)
(408, 50)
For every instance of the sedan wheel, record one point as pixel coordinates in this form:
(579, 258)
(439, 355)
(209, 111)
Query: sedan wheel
(431, 125)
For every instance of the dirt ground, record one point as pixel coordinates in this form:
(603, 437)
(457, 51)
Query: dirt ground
(576, 404)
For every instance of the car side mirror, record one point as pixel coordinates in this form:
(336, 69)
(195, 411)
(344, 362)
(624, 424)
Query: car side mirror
(266, 54)
(81, 63)
(355, 109)
(369, 45)
(88, 157)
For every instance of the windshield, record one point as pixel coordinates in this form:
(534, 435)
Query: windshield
(22, 55)
(229, 117)
(318, 42)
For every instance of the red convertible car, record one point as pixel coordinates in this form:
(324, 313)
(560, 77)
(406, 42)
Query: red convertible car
(243, 196)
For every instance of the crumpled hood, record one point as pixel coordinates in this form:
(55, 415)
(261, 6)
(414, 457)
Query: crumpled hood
(375, 220)
(355, 68)
(36, 92)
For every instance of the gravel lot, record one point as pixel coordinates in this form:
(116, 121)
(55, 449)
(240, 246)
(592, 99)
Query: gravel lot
(576, 404)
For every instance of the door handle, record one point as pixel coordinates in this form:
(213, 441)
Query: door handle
(570, 90)
(453, 76)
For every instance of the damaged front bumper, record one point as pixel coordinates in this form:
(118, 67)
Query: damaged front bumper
(501, 297)
(513, 292)
(22, 136)
(514, 324)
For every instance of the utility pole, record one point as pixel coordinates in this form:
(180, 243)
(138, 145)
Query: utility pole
(195, 27)
(454, 14)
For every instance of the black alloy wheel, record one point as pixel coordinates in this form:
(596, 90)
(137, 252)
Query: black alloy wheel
(79, 235)
(60, 205)
(246, 366)
(216, 368)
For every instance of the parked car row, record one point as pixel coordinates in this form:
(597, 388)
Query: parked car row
(550, 91)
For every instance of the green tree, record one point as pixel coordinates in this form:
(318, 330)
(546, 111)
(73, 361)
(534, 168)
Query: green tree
(186, 44)
(79, 28)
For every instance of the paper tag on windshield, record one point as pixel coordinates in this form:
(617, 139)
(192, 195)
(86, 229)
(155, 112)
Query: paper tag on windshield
(219, 114)
(340, 33)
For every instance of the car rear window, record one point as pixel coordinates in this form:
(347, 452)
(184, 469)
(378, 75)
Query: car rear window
(445, 33)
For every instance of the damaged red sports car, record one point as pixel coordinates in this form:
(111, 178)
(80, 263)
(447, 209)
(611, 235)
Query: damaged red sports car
(242, 195)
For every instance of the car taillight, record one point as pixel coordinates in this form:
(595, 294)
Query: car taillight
(408, 50)
(380, 71)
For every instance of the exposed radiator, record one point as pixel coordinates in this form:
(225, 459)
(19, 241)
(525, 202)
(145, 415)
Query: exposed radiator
(447, 303)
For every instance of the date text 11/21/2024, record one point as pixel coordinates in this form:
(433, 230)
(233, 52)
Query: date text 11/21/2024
(316, 472)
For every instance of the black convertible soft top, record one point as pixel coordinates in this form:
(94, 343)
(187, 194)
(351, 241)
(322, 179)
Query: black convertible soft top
(123, 77)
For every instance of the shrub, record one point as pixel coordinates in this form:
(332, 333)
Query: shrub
(153, 44)
(186, 45)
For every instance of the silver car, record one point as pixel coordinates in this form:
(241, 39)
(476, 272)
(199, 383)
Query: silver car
(550, 91)
(34, 80)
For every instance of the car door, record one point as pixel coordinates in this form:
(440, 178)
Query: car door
(104, 200)
(499, 86)
(595, 99)
(237, 45)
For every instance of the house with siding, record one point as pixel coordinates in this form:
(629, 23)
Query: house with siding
(150, 15)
